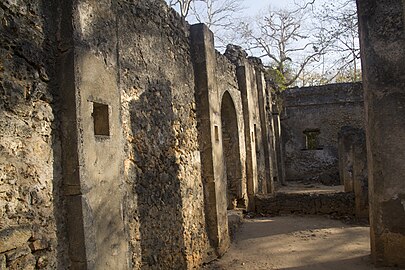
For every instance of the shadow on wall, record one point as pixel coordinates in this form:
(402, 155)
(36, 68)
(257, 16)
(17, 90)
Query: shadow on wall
(30, 164)
(49, 10)
(230, 137)
(157, 186)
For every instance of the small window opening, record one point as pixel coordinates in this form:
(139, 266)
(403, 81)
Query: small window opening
(101, 119)
(312, 139)
(255, 131)
(216, 133)
(255, 138)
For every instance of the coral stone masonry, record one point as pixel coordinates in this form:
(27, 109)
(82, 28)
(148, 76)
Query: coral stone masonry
(310, 122)
(382, 40)
(127, 141)
(107, 159)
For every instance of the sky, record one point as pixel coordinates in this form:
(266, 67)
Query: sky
(254, 7)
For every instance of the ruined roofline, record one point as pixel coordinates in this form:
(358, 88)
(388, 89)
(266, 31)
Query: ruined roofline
(354, 88)
(325, 94)
(316, 88)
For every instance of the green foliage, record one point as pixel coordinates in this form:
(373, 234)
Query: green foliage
(277, 78)
(312, 142)
(280, 75)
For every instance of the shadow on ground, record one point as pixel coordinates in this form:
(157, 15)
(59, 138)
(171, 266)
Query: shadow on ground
(294, 242)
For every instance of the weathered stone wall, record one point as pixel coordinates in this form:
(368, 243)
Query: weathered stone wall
(31, 208)
(247, 80)
(162, 161)
(266, 128)
(92, 135)
(210, 137)
(249, 71)
(323, 109)
(336, 204)
(227, 84)
(360, 176)
(346, 143)
(101, 95)
(353, 166)
(270, 128)
(382, 40)
(164, 210)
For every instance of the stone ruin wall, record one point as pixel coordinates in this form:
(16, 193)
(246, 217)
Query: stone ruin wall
(164, 206)
(326, 109)
(162, 159)
(164, 209)
(33, 230)
(59, 181)
(263, 126)
(382, 40)
(353, 167)
(227, 81)
(31, 208)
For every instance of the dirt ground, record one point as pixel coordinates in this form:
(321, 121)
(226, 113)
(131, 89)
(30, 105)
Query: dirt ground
(304, 188)
(294, 242)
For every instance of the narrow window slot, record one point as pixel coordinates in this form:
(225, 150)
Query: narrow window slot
(101, 119)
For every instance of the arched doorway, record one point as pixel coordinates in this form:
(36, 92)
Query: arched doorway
(231, 152)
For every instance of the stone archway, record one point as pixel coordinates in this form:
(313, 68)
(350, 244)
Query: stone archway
(231, 152)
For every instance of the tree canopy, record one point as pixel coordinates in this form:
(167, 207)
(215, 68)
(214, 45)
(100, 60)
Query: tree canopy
(307, 44)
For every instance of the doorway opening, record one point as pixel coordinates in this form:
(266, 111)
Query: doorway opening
(231, 153)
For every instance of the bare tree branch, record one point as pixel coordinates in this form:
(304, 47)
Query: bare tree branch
(339, 28)
(280, 37)
(218, 15)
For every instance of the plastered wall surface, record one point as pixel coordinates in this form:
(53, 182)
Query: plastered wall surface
(325, 110)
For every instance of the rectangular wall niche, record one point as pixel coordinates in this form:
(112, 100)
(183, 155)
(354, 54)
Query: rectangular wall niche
(216, 131)
(101, 119)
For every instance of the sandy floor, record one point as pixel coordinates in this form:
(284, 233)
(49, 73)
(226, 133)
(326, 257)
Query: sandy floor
(293, 242)
(299, 187)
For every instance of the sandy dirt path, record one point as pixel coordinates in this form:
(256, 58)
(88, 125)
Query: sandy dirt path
(293, 242)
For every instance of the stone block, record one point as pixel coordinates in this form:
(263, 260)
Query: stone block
(3, 262)
(26, 262)
(13, 237)
(18, 252)
(39, 245)
(42, 262)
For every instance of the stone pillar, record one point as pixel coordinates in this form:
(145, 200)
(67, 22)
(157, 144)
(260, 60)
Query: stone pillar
(353, 166)
(382, 40)
(268, 185)
(92, 140)
(272, 132)
(346, 139)
(360, 177)
(279, 149)
(209, 127)
(245, 76)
